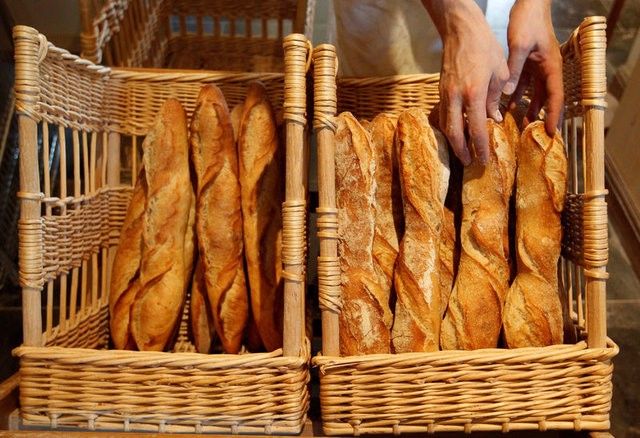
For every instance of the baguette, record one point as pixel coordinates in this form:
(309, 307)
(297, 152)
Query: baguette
(363, 327)
(424, 177)
(513, 134)
(159, 303)
(533, 312)
(474, 316)
(236, 114)
(262, 193)
(447, 259)
(200, 315)
(389, 221)
(125, 274)
(219, 216)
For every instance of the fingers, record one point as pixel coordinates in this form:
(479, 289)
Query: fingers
(517, 58)
(555, 99)
(478, 134)
(494, 93)
(452, 119)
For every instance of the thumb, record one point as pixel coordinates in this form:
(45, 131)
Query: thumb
(516, 61)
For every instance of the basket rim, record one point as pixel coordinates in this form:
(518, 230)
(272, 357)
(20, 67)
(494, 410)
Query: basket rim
(548, 354)
(163, 358)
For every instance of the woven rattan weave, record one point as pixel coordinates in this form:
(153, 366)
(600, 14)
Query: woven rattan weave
(67, 236)
(558, 387)
(211, 34)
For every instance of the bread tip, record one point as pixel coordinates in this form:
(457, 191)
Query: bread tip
(210, 92)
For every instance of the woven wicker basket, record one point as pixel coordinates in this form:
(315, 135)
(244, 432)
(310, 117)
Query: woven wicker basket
(210, 34)
(556, 387)
(67, 240)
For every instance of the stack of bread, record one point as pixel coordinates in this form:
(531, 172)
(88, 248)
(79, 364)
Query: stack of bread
(204, 223)
(435, 255)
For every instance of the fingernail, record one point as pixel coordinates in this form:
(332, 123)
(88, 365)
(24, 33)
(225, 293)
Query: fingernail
(484, 159)
(509, 88)
(497, 116)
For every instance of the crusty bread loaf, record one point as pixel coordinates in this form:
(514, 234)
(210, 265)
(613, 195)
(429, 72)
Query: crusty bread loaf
(125, 274)
(219, 216)
(262, 170)
(158, 305)
(236, 115)
(474, 315)
(424, 178)
(532, 311)
(447, 259)
(389, 221)
(449, 254)
(513, 134)
(200, 315)
(363, 329)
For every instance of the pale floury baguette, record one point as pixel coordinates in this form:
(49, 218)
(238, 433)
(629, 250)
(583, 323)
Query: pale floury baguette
(363, 329)
(389, 221)
(424, 178)
(125, 274)
(474, 315)
(262, 170)
(164, 267)
(219, 216)
(513, 134)
(532, 311)
(447, 259)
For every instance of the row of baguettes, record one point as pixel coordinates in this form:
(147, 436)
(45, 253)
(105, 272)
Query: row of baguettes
(425, 245)
(204, 218)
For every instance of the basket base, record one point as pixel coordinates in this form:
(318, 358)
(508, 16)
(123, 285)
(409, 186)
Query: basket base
(16, 423)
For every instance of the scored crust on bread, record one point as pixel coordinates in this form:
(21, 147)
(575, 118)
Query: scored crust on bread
(424, 178)
(236, 115)
(365, 312)
(125, 273)
(533, 312)
(474, 315)
(159, 302)
(219, 216)
(389, 221)
(262, 169)
(200, 312)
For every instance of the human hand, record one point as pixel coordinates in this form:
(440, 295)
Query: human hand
(534, 57)
(473, 74)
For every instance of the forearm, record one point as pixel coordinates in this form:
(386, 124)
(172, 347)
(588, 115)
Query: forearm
(450, 16)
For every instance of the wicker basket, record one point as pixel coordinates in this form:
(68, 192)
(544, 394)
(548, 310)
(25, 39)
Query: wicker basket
(67, 239)
(558, 387)
(209, 34)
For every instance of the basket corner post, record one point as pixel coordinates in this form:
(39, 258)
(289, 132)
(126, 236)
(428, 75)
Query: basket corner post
(30, 49)
(325, 109)
(294, 208)
(593, 44)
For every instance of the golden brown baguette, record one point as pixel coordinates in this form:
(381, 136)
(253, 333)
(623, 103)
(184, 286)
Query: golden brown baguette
(125, 274)
(424, 178)
(262, 193)
(159, 303)
(532, 311)
(389, 221)
(236, 115)
(200, 315)
(219, 216)
(363, 327)
(474, 315)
